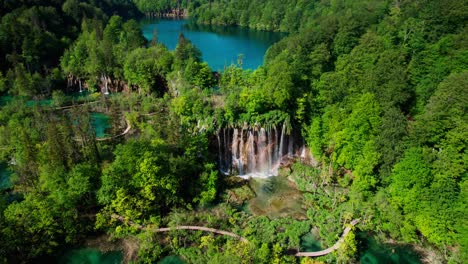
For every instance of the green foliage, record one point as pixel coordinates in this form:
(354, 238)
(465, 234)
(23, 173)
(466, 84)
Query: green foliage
(445, 110)
(281, 16)
(348, 249)
(263, 254)
(377, 88)
(21, 82)
(147, 179)
(159, 7)
(208, 180)
(193, 108)
(306, 177)
(35, 218)
(58, 98)
(435, 63)
(277, 86)
(98, 55)
(199, 74)
(147, 67)
(420, 189)
(36, 33)
(148, 248)
(389, 141)
(185, 53)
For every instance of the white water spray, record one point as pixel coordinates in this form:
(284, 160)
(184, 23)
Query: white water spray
(253, 151)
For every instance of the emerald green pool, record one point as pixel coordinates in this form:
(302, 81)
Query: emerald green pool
(91, 256)
(373, 252)
(171, 260)
(309, 243)
(101, 124)
(5, 99)
(44, 102)
(5, 182)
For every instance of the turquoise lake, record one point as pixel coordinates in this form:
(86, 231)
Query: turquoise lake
(220, 45)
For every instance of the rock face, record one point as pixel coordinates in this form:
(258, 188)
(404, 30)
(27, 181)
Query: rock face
(253, 151)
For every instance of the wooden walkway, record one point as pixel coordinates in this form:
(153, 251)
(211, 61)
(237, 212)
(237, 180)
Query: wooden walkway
(332, 248)
(226, 233)
(129, 126)
(167, 229)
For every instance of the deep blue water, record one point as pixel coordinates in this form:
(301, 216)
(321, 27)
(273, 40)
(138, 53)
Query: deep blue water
(220, 45)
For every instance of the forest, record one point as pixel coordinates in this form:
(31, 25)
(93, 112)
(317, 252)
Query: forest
(376, 91)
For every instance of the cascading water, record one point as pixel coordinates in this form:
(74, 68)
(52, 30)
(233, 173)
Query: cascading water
(219, 149)
(280, 150)
(263, 159)
(275, 146)
(240, 164)
(268, 147)
(290, 146)
(234, 146)
(253, 151)
(252, 157)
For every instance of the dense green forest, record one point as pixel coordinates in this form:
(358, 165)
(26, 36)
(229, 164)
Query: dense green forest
(376, 89)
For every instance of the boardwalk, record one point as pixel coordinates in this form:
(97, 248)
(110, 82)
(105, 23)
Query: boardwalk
(226, 233)
(332, 248)
(167, 229)
(127, 129)
(129, 126)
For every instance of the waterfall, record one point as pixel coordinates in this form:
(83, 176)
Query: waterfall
(227, 167)
(234, 146)
(268, 148)
(240, 167)
(251, 150)
(290, 146)
(275, 145)
(280, 150)
(263, 161)
(221, 166)
(303, 152)
(106, 81)
(254, 151)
